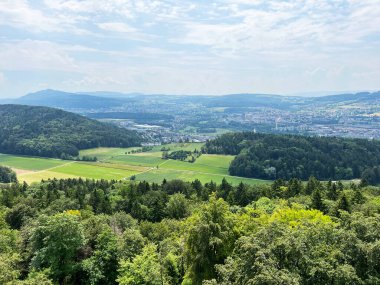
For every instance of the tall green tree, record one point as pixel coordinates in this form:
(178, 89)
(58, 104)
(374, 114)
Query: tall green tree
(210, 239)
(241, 197)
(343, 204)
(317, 201)
(144, 269)
(102, 266)
(56, 242)
(177, 206)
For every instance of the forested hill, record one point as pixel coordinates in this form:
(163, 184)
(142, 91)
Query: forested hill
(271, 156)
(43, 131)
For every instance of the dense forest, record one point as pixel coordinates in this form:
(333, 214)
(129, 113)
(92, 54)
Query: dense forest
(269, 156)
(43, 131)
(108, 232)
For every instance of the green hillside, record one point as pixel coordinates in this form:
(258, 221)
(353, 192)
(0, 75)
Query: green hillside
(43, 131)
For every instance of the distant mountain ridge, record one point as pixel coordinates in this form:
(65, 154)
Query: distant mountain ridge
(102, 100)
(66, 100)
(49, 132)
(357, 97)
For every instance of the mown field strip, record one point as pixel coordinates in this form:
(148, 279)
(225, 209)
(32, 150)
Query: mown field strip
(96, 172)
(117, 166)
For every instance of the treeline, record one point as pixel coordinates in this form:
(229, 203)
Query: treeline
(269, 156)
(79, 231)
(372, 175)
(43, 131)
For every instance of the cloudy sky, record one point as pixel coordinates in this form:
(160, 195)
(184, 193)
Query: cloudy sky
(189, 47)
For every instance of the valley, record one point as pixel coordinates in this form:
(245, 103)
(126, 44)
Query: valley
(164, 118)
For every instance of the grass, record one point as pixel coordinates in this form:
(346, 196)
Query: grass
(115, 163)
(105, 153)
(95, 171)
(29, 163)
(45, 174)
(150, 158)
(138, 160)
(179, 146)
(212, 164)
(157, 175)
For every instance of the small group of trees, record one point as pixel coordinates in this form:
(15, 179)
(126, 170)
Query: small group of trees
(139, 150)
(182, 155)
(7, 175)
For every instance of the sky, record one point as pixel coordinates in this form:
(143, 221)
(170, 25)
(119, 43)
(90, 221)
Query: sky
(189, 47)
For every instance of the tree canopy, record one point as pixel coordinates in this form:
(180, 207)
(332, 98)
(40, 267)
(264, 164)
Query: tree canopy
(76, 231)
(270, 156)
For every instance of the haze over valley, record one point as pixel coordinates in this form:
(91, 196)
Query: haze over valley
(172, 118)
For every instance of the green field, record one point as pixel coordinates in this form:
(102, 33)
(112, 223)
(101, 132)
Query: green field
(45, 174)
(95, 171)
(105, 153)
(120, 163)
(29, 163)
(142, 160)
(208, 164)
(158, 175)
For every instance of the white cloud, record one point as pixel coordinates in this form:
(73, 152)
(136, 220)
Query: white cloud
(20, 14)
(33, 54)
(116, 27)
(90, 6)
(281, 25)
(189, 46)
(2, 78)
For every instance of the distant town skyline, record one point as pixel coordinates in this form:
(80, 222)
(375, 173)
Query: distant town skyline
(189, 47)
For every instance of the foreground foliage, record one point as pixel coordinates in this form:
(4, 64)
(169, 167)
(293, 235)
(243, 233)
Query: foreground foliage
(79, 231)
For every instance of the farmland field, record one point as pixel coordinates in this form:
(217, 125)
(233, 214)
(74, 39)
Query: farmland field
(124, 163)
(206, 163)
(29, 163)
(141, 160)
(94, 171)
(158, 175)
(45, 174)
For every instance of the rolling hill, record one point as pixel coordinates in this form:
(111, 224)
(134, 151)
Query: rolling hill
(361, 97)
(66, 100)
(108, 100)
(44, 131)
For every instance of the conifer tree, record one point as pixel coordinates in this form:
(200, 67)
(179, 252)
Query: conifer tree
(343, 205)
(317, 202)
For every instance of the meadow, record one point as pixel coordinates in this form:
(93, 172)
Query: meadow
(29, 163)
(126, 164)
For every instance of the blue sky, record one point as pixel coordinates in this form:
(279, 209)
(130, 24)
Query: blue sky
(189, 47)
